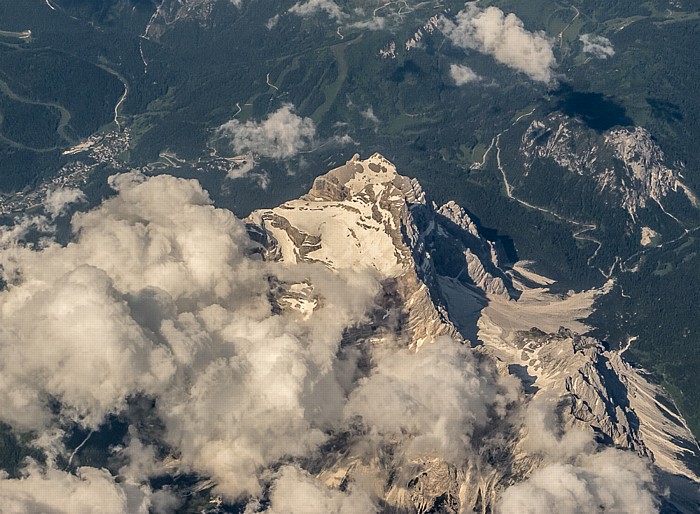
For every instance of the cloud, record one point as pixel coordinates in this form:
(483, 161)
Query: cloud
(242, 169)
(373, 23)
(343, 140)
(297, 491)
(56, 492)
(58, 200)
(161, 295)
(598, 46)
(272, 22)
(492, 32)
(399, 398)
(141, 461)
(71, 312)
(12, 235)
(462, 74)
(281, 135)
(545, 437)
(369, 115)
(158, 296)
(317, 6)
(270, 391)
(610, 481)
(576, 477)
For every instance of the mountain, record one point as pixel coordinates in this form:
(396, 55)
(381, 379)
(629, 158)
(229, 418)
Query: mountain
(358, 349)
(441, 277)
(626, 162)
(172, 342)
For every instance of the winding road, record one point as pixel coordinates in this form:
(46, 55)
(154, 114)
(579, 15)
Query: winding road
(561, 34)
(374, 13)
(267, 80)
(582, 229)
(122, 99)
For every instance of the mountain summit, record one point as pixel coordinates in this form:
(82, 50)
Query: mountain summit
(441, 277)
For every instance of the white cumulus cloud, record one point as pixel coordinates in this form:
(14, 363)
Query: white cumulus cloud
(374, 23)
(399, 398)
(272, 22)
(280, 135)
(462, 74)
(295, 491)
(598, 46)
(58, 200)
(504, 37)
(57, 492)
(609, 481)
(157, 296)
(369, 115)
(317, 6)
(546, 438)
(575, 476)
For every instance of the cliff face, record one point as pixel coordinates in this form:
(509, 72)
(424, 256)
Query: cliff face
(361, 216)
(440, 278)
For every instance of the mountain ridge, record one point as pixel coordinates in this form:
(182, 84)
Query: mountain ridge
(450, 283)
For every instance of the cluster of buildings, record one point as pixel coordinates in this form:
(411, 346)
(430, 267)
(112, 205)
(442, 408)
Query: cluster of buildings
(98, 150)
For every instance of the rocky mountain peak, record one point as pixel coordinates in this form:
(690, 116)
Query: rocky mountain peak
(441, 277)
(358, 216)
(364, 177)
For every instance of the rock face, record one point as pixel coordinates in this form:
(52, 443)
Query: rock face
(365, 214)
(626, 162)
(361, 215)
(440, 277)
(579, 368)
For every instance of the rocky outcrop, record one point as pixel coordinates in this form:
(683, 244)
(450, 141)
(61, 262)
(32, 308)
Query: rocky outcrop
(480, 255)
(579, 369)
(602, 392)
(625, 162)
